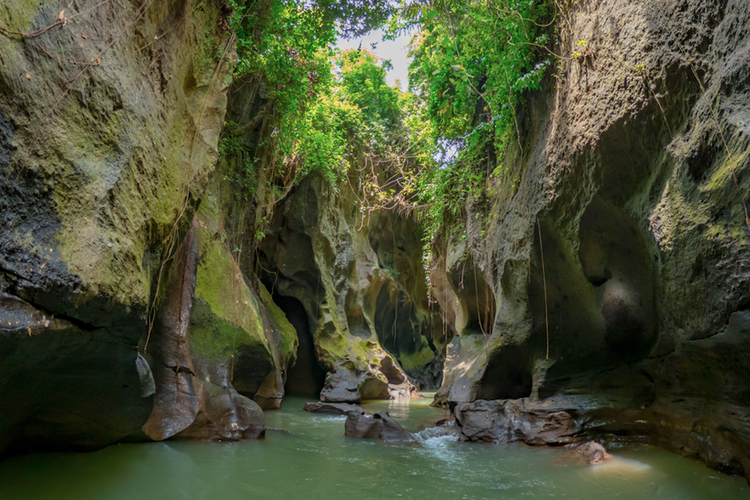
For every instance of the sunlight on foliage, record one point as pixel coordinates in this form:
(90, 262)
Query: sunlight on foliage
(429, 150)
(473, 61)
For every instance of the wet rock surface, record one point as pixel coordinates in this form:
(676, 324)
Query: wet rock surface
(194, 399)
(593, 453)
(378, 426)
(333, 408)
(509, 421)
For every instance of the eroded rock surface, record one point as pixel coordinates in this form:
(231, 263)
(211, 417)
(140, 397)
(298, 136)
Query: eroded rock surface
(379, 426)
(360, 288)
(593, 453)
(605, 296)
(97, 162)
(626, 186)
(509, 421)
(333, 408)
(195, 397)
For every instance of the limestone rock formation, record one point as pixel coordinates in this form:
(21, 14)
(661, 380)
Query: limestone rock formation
(333, 408)
(236, 325)
(602, 291)
(196, 354)
(358, 287)
(379, 426)
(619, 266)
(509, 421)
(98, 158)
(125, 314)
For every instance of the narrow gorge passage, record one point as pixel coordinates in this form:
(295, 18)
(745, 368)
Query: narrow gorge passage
(306, 377)
(211, 209)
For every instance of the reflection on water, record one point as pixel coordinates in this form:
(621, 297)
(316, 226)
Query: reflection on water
(399, 408)
(620, 465)
(308, 458)
(413, 414)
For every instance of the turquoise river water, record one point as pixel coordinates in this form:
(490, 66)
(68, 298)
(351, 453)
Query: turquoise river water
(306, 456)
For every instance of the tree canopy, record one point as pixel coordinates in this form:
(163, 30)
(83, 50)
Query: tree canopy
(473, 63)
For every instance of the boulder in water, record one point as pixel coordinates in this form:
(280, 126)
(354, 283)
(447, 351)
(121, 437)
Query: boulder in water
(379, 426)
(511, 420)
(333, 408)
(593, 452)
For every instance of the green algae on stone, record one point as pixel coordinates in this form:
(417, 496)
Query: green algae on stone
(288, 334)
(208, 50)
(215, 339)
(221, 287)
(19, 16)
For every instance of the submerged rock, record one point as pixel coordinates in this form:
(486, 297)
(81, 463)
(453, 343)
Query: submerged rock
(379, 426)
(593, 452)
(333, 408)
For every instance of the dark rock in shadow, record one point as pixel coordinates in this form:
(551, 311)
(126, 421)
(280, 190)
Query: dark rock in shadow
(193, 400)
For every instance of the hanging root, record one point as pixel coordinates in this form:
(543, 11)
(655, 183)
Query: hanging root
(544, 280)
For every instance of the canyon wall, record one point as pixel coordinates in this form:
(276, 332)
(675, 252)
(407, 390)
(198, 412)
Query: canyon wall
(360, 286)
(128, 309)
(117, 322)
(146, 295)
(616, 248)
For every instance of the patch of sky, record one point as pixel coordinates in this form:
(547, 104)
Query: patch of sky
(395, 51)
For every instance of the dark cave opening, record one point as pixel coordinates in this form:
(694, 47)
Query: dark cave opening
(508, 375)
(306, 377)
